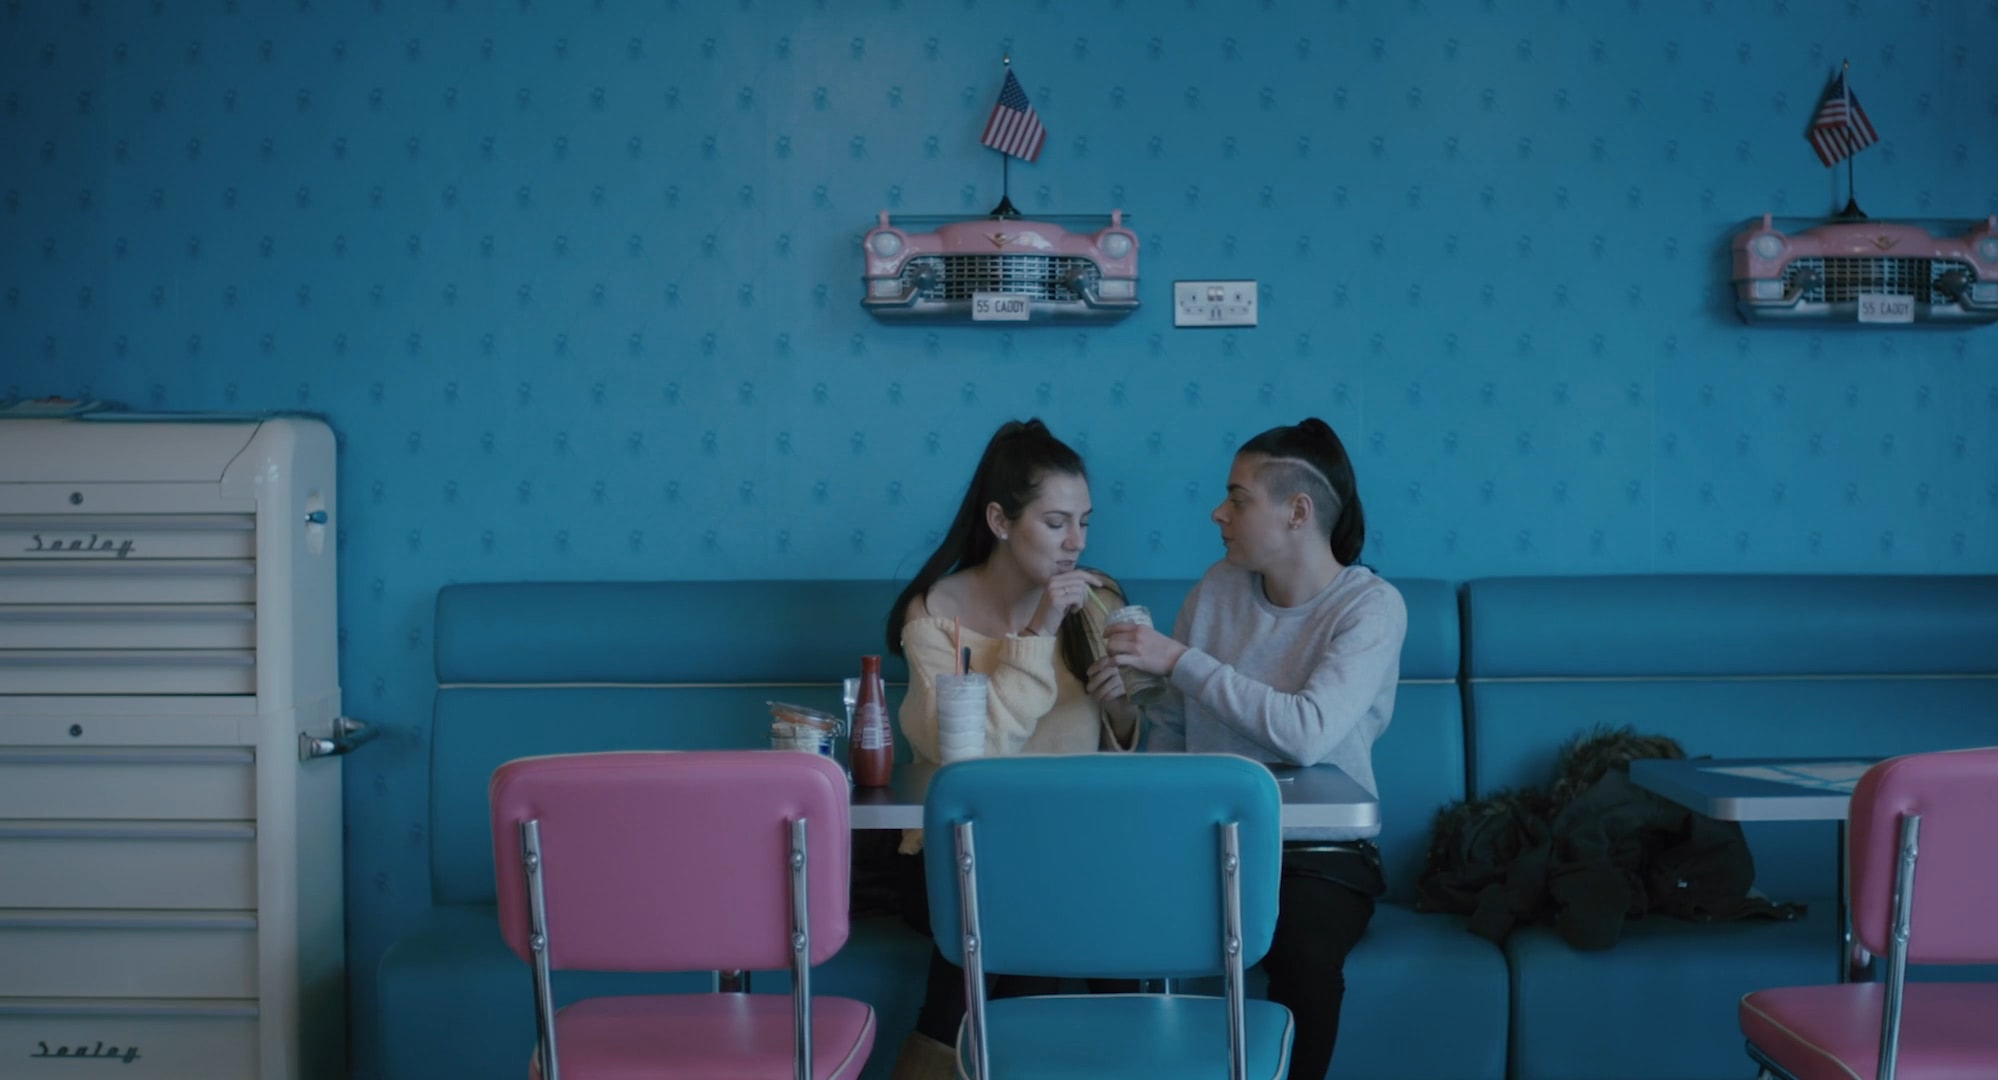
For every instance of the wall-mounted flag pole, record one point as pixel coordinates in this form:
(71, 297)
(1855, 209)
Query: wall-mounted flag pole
(1016, 132)
(1839, 130)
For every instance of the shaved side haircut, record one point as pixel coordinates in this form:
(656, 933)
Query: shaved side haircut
(1282, 478)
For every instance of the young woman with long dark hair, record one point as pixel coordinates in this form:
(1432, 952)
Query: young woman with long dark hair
(1006, 583)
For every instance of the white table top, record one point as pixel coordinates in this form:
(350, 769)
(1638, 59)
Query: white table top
(1755, 789)
(1315, 796)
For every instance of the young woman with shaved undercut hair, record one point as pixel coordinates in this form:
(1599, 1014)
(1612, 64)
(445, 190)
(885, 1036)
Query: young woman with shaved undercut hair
(1288, 651)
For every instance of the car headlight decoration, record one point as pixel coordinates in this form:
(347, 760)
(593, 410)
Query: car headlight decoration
(970, 269)
(1881, 273)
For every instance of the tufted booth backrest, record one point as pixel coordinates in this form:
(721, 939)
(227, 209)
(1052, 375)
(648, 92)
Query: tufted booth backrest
(1732, 666)
(533, 668)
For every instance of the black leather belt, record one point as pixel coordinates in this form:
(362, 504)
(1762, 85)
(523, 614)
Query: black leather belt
(1365, 847)
(1355, 864)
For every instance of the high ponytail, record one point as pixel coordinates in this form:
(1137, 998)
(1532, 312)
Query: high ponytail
(1323, 470)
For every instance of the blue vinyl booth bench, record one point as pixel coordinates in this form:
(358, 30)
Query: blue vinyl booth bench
(1496, 675)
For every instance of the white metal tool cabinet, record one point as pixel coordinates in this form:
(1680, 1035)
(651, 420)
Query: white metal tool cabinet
(170, 834)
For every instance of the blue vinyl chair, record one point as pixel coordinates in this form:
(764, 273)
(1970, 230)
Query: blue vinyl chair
(1118, 867)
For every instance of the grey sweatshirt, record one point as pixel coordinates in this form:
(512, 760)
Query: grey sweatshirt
(1300, 685)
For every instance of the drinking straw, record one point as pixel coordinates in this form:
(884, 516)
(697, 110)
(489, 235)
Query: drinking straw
(966, 654)
(1098, 601)
(956, 634)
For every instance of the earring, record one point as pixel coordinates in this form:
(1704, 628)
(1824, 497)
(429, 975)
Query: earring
(1003, 536)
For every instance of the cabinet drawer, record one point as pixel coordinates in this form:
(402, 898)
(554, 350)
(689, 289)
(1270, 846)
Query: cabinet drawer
(127, 954)
(81, 721)
(128, 864)
(141, 784)
(154, 581)
(128, 671)
(127, 626)
(63, 1039)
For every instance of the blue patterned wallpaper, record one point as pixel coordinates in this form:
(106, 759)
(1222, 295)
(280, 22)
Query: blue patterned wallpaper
(577, 282)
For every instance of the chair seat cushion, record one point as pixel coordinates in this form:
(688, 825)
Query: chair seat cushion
(1949, 1031)
(455, 1002)
(1089, 1036)
(714, 1036)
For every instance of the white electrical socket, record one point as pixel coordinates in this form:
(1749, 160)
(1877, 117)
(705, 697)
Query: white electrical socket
(1214, 303)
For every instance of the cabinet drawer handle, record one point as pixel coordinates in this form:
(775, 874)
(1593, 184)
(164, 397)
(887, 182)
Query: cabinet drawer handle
(348, 734)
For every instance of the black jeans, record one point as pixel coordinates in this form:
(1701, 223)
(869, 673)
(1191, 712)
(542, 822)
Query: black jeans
(943, 994)
(1318, 923)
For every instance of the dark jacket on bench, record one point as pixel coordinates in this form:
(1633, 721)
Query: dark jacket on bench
(1614, 852)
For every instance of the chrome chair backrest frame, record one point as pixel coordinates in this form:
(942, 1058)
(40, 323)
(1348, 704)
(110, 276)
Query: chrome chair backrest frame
(974, 965)
(1231, 949)
(1897, 951)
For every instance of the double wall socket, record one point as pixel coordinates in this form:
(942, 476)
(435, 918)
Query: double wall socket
(1214, 303)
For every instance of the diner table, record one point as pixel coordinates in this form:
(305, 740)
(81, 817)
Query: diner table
(1755, 789)
(1769, 789)
(1314, 796)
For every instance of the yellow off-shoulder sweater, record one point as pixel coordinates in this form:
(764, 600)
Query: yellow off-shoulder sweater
(1034, 703)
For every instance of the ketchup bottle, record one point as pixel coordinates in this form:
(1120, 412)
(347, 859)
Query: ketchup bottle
(872, 753)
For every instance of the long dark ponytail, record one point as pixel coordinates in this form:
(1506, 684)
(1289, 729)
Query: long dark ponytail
(1009, 473)
(1329, 480)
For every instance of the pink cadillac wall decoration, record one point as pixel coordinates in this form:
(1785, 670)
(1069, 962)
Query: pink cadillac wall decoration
(1853, 270)
(1866, 272)
(1002, 267)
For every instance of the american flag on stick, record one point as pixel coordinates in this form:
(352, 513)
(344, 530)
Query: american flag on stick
(1013, 128)
(1840, 129)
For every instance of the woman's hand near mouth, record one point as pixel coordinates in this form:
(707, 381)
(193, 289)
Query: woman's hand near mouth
(1066, 591)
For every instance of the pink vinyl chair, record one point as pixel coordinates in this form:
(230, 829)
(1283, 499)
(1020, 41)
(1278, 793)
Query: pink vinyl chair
(650, 861)
(1924, 890)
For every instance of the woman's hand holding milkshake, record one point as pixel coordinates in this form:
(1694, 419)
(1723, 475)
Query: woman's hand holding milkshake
(1135, 645)
(1105, 684)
